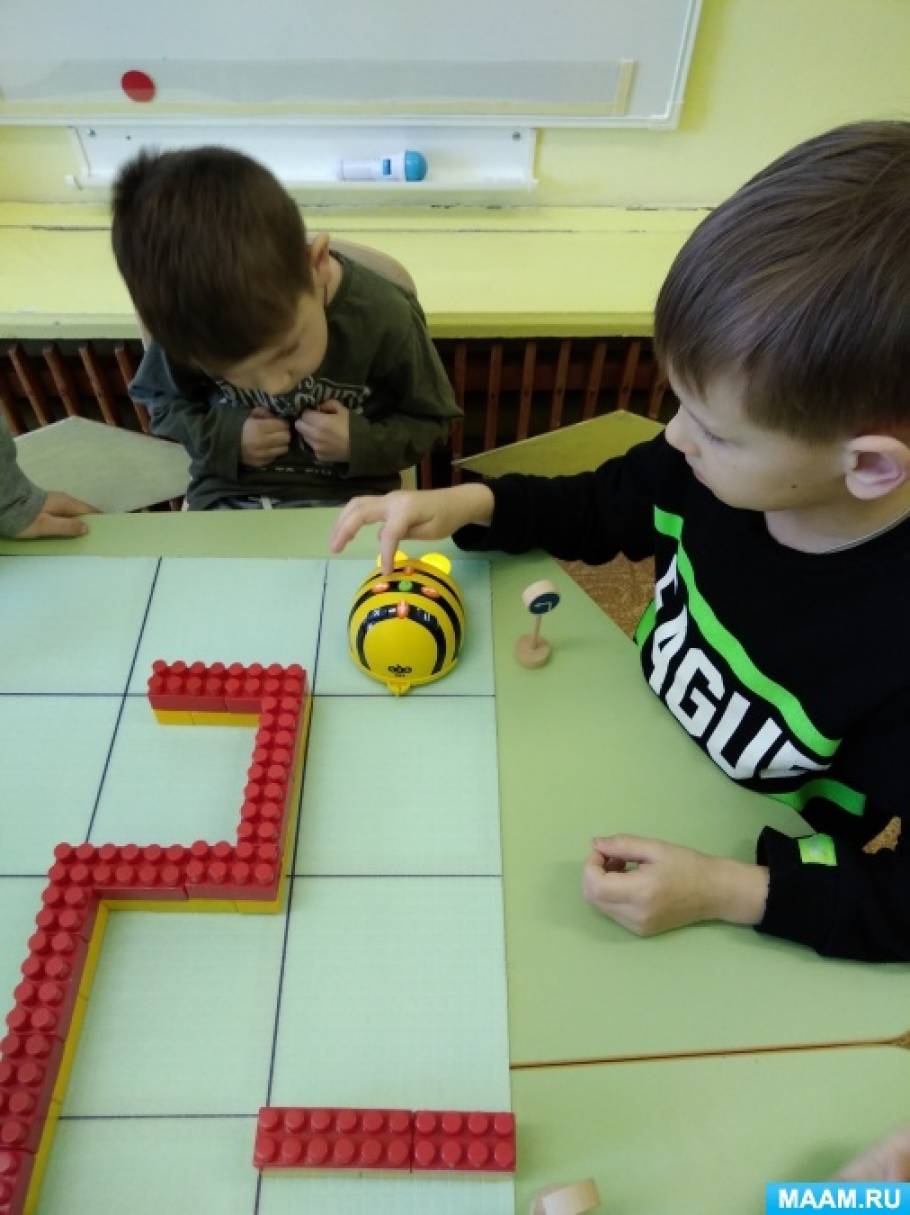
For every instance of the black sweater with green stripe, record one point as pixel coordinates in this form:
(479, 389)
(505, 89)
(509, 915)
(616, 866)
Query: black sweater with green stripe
(791, 670)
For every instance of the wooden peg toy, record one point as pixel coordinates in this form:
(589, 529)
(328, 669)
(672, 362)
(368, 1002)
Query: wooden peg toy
(531, 649)
(576, 1199)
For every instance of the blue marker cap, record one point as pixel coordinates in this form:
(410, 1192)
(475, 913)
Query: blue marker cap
(415, 166)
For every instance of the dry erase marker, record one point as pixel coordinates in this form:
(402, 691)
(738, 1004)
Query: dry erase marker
(403, 166)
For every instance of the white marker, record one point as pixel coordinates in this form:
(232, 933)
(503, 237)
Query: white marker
(403, 166)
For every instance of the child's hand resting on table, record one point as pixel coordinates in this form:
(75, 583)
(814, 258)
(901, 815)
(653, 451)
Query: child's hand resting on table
(668, 886)
(58, 517)
(887, 1160)
(430, 514)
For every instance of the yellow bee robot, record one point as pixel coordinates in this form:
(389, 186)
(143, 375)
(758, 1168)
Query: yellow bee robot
(406, 628)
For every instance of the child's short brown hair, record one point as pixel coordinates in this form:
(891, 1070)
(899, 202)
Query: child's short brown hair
(213, 252)
(801, 283)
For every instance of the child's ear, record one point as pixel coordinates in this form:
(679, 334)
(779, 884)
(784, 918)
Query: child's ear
(876, 465)
(320, 262)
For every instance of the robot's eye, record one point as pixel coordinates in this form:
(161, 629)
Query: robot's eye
(379, 588)
(430, 592)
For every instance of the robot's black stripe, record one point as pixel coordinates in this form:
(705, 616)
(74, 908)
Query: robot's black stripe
(453, 618)
(432, 625)
(371, 618)
(359, 603)
(441, 581)
(444, 603)
(421, 617)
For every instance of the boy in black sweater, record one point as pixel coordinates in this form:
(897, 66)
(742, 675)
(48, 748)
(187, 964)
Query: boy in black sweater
(777, 507)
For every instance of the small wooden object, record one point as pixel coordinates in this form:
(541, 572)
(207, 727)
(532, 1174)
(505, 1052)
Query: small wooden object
(574, 1199)
(531, 649)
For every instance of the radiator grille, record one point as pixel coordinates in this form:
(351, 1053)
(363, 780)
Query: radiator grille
(509, 390)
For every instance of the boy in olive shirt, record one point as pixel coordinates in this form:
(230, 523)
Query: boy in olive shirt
(293, 376)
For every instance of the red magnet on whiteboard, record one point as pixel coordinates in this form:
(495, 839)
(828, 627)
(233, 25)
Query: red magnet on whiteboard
(138, 86)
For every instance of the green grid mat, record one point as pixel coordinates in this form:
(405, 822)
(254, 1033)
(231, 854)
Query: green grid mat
(366, 990)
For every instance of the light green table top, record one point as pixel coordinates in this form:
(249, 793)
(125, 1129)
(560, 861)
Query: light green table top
(702, 1136)
(585, 748)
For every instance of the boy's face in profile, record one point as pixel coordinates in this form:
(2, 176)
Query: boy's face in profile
(293, 356)
(299, 351)
(745, 465)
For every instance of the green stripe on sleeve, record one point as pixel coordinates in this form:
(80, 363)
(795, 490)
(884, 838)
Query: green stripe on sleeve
(645, 624)
(732, 650)
(832, 790)
(817, 850)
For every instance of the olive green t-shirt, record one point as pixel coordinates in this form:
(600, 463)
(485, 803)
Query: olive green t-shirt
(380, 364)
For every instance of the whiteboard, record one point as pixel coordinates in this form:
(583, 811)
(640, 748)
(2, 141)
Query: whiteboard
(542, 62)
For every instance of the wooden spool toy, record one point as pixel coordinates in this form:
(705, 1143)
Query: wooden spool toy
(576, 1199)
(531, 649)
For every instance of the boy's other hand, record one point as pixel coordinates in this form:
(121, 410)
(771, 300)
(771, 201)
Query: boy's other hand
(327, 430)
(430, 514)
(58, 517)
(263, 438)
(668, 886)
(887, 1160)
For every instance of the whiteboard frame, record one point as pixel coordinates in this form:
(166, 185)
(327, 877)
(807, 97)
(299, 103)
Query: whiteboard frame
(57, 115)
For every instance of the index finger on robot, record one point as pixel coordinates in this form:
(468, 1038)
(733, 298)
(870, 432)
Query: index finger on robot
(392, 532)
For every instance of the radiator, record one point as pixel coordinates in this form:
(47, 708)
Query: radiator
(509, 389)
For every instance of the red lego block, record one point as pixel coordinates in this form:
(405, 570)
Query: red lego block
(35, 1015)
(32, 1077)
(69, 946)
(256, 811)
(243, 695)
(15, 1174)
(198, 686)
(45, 1006)
(69, 904)
(251, 881)
(29, 1064)
(167, 685)
(135, 872)
(30, 1048)
(220, 871)
(310, 1138)
(55, 968)
(21, 1119)
(67, 917)
(207, 873)
(166, 693)
(72, 865)
(464, 1142)
(204, 690)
